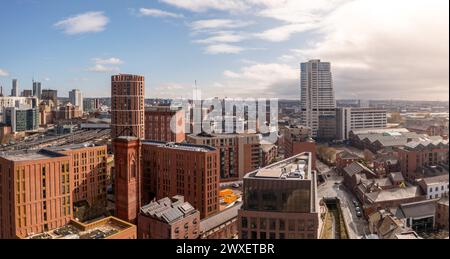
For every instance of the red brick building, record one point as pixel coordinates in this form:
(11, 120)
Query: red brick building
(442, 213)
(344, 159)
(127, 164)
(222, 225)
(35, 192)
(239, 153)
(89, 176)
(181, 169)
(416, 156)
(296, 140)
(169, 219)
(269, 153)
(127, 106)
(164, 123)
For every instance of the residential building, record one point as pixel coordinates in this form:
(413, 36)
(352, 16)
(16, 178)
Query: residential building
(35, 192)
(171, 169)
(269, 154)
(424, 157)
(280, 201)
(239, 153)
(349, 119)
(344, 159)
(163, 123)
(27, 93)
(127, 106)
(68, 112)
(317, 94)
(89, 178)
(169, 218)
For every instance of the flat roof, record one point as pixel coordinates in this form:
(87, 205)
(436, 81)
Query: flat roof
(71, 147)
(394, 194)
(30, 155)
(295, 168)
(97, 229)
(220, 218)
(179, 146)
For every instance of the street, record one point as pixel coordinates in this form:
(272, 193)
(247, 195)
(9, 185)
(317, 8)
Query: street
(333, 187)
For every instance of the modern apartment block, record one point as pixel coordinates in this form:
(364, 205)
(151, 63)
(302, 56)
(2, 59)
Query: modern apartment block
(280, 201)
(163, 123)
(317, 94)
(127, 101)
(76, 98)
(15, 88)
(37, 89)
(239, 153)
(171, 169)
(349, 119)
(35, 192)
(169, 218)
(89, 175)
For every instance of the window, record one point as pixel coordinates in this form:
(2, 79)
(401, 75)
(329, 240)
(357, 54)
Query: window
(244, 222)
(262, 235)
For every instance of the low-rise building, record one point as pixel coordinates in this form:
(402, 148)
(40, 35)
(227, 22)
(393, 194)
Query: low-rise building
(420, 216)
(169, 218)
(436, 186)
(344, 159)
(223, 225)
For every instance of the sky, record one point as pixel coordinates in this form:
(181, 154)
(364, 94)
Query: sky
(384, 49)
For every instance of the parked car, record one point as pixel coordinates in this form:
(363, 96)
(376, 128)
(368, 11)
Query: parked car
(358, 209)
(359, 214)
(355, 202)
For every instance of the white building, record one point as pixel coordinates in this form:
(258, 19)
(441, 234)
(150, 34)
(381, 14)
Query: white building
(350, 119)
(76, 98)
(317, 93)
(435, 187)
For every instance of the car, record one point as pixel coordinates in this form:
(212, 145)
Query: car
(359, 214)
(355, 202)
(358, 209)
(236, 185)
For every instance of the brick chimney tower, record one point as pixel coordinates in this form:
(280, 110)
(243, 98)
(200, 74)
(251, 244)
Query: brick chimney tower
(127, 164)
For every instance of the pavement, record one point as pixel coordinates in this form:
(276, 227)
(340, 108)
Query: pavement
(333, 187)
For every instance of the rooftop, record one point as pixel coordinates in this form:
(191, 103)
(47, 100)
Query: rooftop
(295, 168)
(394, 194)
(168, 210)
(70, 147)
(220, 218)
(30, 155)
(419, 209)
(98, 229)
(180, 146)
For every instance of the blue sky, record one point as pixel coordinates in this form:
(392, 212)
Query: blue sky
(234, 48)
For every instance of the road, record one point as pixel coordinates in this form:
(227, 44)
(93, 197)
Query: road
(333, 187)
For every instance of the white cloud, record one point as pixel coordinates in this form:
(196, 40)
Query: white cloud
(284, 32)
(223, 49)
(222, 37)
(3, 72)
(83, 23)
(231, 74)
(204, 5)
(103, 69)
(378, 52)
(158, 13)
(214, 24)
(108, 61)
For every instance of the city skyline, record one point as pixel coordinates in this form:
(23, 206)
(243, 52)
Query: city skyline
(80, 45)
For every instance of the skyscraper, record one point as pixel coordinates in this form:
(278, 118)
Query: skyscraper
(37, 89)
(76, 98)
(127, 106)
(15, 88)
(317, 94)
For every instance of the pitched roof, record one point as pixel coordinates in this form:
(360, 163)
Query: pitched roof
(347, 155)
(356, 168)
(220, 218)
(419, 209)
